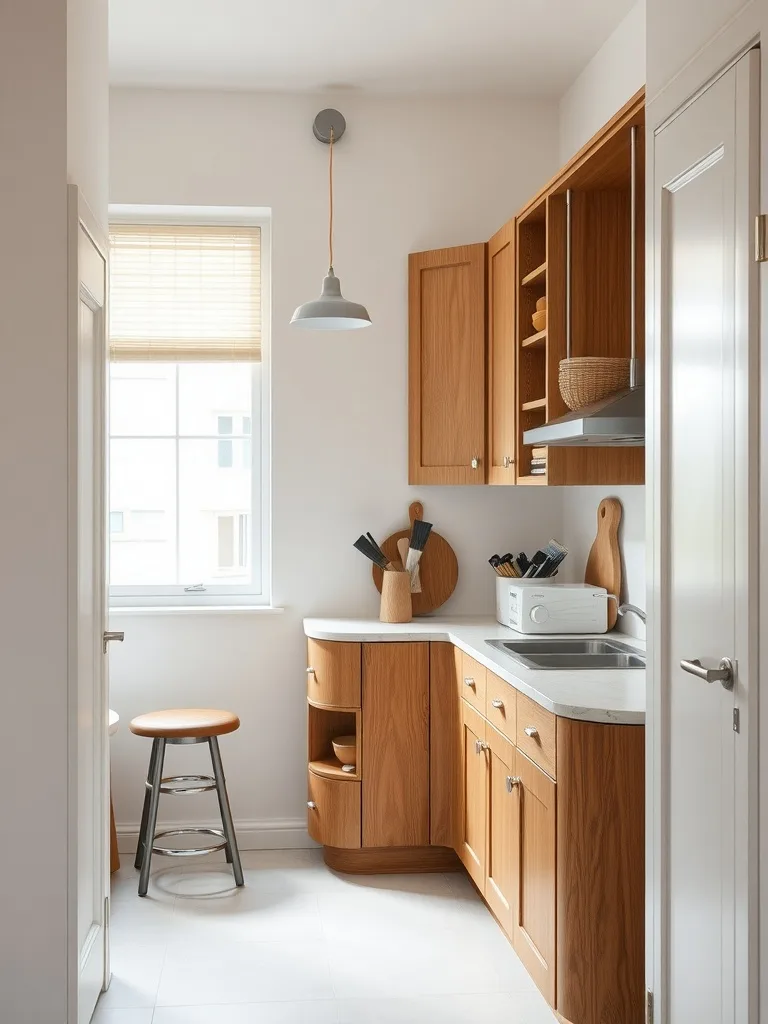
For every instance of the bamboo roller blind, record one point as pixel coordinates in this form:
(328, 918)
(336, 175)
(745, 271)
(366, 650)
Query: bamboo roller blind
(184, 293)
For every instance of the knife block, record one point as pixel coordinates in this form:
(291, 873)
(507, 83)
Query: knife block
(396, 603)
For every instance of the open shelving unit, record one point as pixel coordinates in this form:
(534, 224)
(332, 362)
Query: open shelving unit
(532, 348)
(324, 725)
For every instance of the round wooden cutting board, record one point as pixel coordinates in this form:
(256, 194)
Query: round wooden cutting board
(438, 567)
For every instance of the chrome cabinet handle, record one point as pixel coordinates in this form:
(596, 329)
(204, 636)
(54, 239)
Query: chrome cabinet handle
(311, 805)
(507, 461)
(469, 681)
(111, 635)
(497, 703)
(480, 746)
(531, 731)
(723, 674)
(310, 671)
(475, 463)
(512, 781)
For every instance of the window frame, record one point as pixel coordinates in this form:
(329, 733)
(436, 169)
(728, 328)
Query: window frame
(258, 593)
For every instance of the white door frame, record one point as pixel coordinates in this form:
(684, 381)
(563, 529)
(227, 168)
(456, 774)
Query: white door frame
(740, 35)
(83, 227)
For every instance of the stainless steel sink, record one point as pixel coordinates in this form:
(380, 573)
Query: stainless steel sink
(570, 653)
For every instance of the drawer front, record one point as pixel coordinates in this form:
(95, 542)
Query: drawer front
(334, 812)
(472, 682)
(333, 673)
(536, 729)
(501, 705)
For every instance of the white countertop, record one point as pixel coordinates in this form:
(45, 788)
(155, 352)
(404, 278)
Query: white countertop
(616, 696)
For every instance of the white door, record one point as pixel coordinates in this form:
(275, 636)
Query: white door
(703, 403)
(89, 854)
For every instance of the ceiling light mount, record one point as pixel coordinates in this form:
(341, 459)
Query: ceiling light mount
(329, 121)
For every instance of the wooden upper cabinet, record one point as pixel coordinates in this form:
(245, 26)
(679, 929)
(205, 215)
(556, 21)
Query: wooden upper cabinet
(501, 356)
(446, 371)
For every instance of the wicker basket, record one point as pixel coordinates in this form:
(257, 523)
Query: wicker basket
(587, 379)
(539, 320)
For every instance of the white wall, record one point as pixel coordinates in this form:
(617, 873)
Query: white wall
(408, 177)
(88, 103)
(614, 74)
(33, 513)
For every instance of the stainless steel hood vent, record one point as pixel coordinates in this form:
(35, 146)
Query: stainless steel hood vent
(618, 420)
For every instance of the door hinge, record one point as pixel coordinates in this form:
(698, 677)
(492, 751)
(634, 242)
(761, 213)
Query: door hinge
(761, 238)
(736, 720)
(648, 1007)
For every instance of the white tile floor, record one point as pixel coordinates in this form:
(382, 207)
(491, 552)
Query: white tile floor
(302, 945)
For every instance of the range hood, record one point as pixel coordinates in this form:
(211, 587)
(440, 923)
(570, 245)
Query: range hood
(618, 420)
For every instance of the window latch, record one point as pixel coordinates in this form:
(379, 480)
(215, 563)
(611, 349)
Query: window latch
(196, 588)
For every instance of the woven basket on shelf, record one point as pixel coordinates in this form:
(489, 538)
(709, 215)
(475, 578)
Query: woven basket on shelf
(587, 379)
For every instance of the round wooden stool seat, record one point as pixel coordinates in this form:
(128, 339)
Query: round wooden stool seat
(177, 723)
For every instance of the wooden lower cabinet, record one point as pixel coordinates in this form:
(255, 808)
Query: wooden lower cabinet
(501, 887)
(473, 841)
(333, 812)
(533, 925)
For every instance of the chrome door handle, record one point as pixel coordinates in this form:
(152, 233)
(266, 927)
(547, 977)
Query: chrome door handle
(497, 703)
(109, 636)
(480, 746)
(723, 674)
(512, 781)
(531, 731)
(469, 681)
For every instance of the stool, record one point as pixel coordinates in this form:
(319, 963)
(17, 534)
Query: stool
(182, 726)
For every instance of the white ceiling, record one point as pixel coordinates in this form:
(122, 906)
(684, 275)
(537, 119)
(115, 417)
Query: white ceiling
(379, 46)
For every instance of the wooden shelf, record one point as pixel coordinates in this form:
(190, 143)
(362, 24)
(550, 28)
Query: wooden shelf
(536, 276)
(330, 768)
(533, 481)
(539, 403)
(535, 340)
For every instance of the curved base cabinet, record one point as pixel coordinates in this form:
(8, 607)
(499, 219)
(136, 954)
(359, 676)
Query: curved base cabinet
(392, 860)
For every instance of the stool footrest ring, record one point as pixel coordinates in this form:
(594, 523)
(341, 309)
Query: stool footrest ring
(199, 851)
(173, 784)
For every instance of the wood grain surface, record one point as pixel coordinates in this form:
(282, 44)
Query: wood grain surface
(503, 718)
(501, 889)
(501, 356)
(474, 802)
(392, 860)
(323, 726)
(335, 818)
(604, 559)
(600, 872)
(541, 747)
(472, 682)
(396, 731)
(335, 679)
(444, 745)
(438, 566)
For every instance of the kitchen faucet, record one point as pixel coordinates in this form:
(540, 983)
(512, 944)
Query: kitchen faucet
(624, 608)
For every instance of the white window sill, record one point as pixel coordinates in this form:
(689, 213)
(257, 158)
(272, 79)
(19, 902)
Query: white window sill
(200, 609)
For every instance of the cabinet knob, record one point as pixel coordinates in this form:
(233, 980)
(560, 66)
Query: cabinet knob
(508, 460)
(480, 746)
(475, 463)
(531, 730)
(497, 703)
(310, 671)
(311, 805)
(512, 781)
(469, 681)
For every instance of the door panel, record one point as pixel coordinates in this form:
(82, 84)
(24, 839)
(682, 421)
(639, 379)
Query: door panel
(396, 744)
(446, 372)
(702, 225)
(88, 348)
(502, 395)
(503, 822)
(474, 833)
(534, 927)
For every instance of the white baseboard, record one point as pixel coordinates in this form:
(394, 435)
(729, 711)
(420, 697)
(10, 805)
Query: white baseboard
(268, 834)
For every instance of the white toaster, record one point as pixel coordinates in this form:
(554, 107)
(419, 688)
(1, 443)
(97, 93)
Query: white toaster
(542, 606)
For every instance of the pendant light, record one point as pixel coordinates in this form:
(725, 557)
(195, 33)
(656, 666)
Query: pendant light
(331, 312)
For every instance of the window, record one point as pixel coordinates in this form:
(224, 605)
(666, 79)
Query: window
(186, 406)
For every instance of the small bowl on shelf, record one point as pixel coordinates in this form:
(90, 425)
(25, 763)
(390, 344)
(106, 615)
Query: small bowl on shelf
(541, 303)
(345, 748)
(539, 320)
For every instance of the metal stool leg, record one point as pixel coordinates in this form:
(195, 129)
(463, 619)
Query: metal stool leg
(151, 826)
(145, 811)
(226, 813)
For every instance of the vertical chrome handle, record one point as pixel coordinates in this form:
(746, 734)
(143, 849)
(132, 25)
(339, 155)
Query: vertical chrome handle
(507, 461)
(531, 730)
(497, 703)
(512, 781)
(475, 463)
(480, 746)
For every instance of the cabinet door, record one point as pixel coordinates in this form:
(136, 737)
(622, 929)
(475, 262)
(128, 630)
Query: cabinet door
(474, 803)
(446, 366)
(445, 666)
(396, 744)
(502, 391)
(503, 823)
(333, 673)
(534, 924)
(333, 812)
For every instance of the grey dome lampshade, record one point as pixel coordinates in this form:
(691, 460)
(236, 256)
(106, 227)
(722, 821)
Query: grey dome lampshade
(331, 311)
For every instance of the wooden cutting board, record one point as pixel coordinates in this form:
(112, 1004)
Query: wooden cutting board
(604, 562)
(438, 566)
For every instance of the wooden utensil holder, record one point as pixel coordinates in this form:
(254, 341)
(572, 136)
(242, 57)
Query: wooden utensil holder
(396, 603)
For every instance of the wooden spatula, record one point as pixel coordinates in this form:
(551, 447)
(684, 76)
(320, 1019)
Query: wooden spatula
(604, 562)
